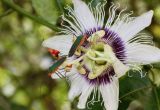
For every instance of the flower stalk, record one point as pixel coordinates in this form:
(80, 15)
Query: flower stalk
(27, 14)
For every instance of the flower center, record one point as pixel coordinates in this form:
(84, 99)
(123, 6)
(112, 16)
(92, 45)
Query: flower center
(97, 56)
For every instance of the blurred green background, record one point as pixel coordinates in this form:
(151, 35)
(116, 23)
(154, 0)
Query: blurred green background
(24, 81)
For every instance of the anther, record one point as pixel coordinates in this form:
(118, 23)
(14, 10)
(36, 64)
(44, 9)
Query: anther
(81, 70)
(68, 67)
(96, 35)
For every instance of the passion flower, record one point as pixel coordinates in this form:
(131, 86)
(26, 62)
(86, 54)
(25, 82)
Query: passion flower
(94, 53)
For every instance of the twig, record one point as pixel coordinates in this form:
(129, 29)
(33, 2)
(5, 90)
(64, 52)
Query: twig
(27, 14)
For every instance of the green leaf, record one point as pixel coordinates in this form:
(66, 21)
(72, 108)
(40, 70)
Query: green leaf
(129, 86)
(17, 107)
(47, 9)
(156, 65)
(152, 99)
(141, 90)
(149, 100)
(154, 75)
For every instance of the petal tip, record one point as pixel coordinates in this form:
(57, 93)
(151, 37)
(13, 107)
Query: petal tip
(46, 42)
(150, 13)
(79, 106)
(148, 16)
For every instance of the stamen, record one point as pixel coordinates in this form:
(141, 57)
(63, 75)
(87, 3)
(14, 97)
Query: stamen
(68, 67)
(81, 70)
(96, 59)
(96, 35)
(97, 71)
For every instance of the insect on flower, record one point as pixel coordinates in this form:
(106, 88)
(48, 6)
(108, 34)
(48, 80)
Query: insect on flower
(54, 53)
(60, 60)
(102, 52)
(78, 42)
(56, 65)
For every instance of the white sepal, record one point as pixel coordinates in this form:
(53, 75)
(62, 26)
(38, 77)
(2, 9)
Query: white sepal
(75, 88)
(128, 30)
(110, 94)
(119, 68)
(84, 15)
(141, 54)
(62, 43)
(86, 92)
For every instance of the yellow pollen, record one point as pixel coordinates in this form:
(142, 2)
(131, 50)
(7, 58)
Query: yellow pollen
(81, 70)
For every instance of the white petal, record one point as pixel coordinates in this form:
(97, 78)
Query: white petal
(119, 68)
(110, 94)
(84, 15)
(142, 54)
(62, 43)
(129, 30)
(86, 91)
(74, 91)
(76, 86)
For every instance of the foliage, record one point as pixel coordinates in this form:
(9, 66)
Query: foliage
(24, 83)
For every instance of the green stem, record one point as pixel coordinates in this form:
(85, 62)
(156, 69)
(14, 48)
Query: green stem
(60, 6)
(6, 13)
(25, 13)
(156, 96)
